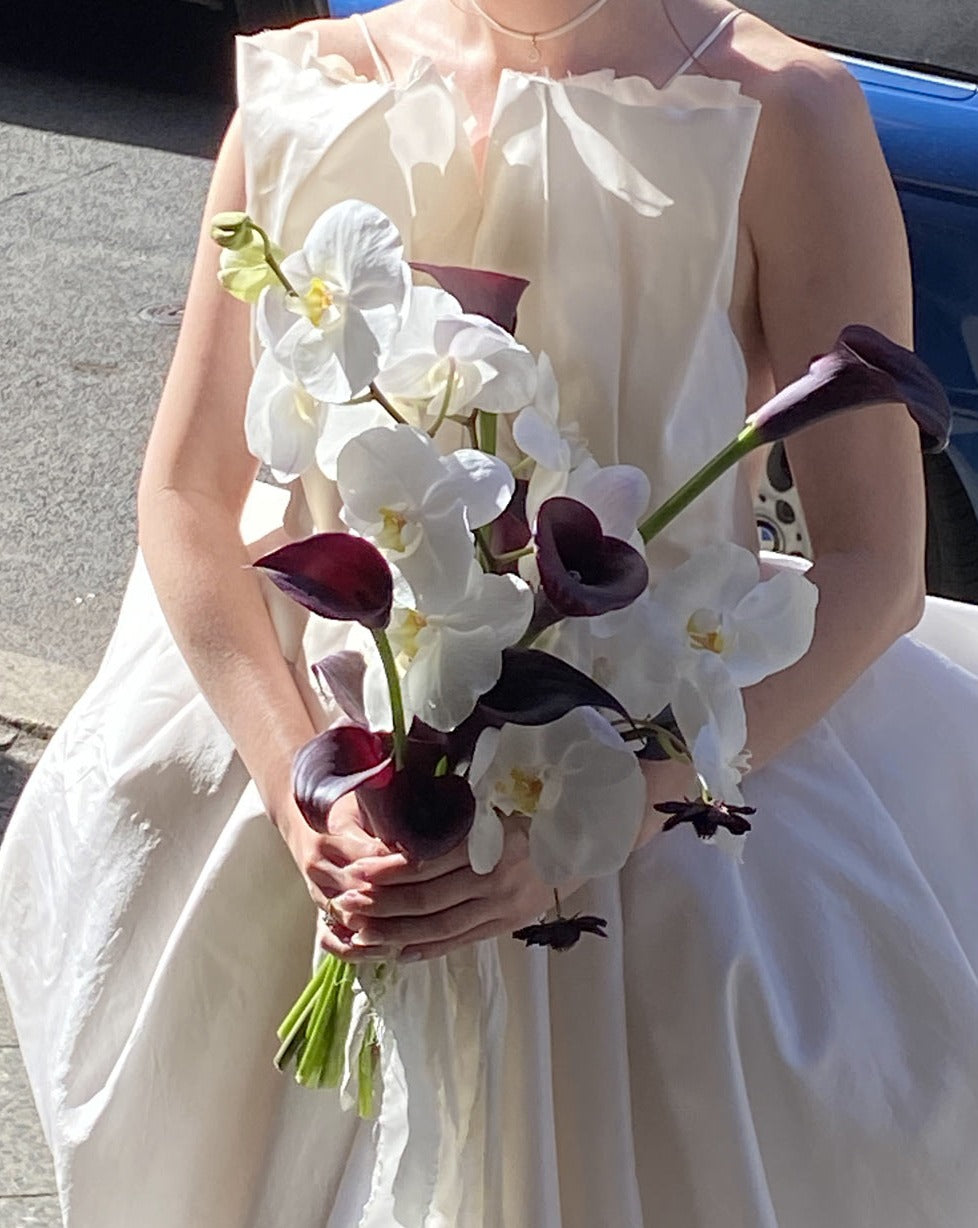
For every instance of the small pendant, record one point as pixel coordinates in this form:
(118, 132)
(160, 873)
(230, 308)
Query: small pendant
(534, 52)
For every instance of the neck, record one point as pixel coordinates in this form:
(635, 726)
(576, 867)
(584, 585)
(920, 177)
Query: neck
(538, 15)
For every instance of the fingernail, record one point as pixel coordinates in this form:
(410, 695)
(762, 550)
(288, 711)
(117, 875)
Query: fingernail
(411, 958)
(366, 938)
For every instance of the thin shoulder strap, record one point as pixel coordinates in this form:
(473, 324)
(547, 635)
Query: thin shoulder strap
(379, 62)
(707, 42)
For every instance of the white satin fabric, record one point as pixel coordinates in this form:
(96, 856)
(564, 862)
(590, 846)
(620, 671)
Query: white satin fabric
(786, 1043)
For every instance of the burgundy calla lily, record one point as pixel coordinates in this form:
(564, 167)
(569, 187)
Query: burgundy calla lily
(335, 575)
(510, 530)
(423, 815)
(333, 764)
(862, 368)
(584, 572)
(535, 688)
(480, 292)
(413, 809)
(341, 675)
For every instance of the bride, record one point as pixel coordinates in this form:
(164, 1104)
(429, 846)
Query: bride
(786, 1043)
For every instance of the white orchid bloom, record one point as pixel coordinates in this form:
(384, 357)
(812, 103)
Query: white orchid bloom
(282, 420)
(446, 362)
(717, 603)
(418, 507)
(340, 424)
(623, 651)
(617, 494)
(537, 431)
(452, 658)
(710, 715)
(578, 783)
(352, 287)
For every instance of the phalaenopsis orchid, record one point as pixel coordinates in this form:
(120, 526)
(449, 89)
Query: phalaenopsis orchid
(508, 659)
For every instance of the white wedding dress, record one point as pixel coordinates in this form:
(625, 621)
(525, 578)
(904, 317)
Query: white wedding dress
(787, 1043)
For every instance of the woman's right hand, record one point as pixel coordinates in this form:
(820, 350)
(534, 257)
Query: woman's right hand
(328, 861)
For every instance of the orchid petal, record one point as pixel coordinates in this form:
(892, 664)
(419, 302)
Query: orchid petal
(772, 627)
(361, 246)
(341, 423)
(617, 494)
(281, 420)
(486, 839)
(483, 483)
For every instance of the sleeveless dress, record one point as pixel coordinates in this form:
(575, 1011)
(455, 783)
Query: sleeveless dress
(785, 1043)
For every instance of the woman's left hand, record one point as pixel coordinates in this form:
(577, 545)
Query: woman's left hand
(430, 909)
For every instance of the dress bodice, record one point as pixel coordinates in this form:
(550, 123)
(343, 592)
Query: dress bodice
(616, 200)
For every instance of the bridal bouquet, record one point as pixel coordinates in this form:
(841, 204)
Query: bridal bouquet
(508, 658)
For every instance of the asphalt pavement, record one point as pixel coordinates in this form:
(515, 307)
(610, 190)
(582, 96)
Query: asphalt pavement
(101, 192)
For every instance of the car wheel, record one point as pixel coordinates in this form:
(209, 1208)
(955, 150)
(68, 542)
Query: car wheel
(952, 533)
(777, 508)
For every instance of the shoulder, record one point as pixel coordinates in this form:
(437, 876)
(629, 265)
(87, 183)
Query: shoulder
(808, 98)
(816, 152)
(344, 35)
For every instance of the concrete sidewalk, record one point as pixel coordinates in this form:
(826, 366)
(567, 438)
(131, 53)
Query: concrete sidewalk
(27, 1189)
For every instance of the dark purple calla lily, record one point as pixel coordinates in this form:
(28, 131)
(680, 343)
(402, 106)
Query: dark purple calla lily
(584, 572)
(510, 530)
(480, 292)
(335, 575)
(862, 368)
(414, 810)
(333, 764)
(535, 688)
(341, 675)
(421, 814)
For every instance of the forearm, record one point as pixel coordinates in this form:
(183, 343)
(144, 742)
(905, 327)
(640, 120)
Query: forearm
(863, 607)
(214, 606)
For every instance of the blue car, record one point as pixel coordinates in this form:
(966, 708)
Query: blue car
(927, 123)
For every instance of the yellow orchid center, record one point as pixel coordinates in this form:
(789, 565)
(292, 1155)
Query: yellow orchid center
(318, 299)
(410, 626)
(705, 631)
(391, 536)
(524, 788)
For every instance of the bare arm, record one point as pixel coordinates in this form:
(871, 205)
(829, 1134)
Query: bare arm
(831, 250)
(195, 480)
(196, 477)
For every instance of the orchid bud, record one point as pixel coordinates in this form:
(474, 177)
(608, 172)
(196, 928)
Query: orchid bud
(232, 230)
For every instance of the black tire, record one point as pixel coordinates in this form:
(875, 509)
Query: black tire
(952, 533)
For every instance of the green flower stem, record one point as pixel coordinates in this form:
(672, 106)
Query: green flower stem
(384, 404)
(488, 429)
(339, 1029)
(394, 688)
(307, 995)
(270, 260)
(310, 1062)
(446, 401)
(294, 1040)
(488, 559)
(510, 556)
(736, 450)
